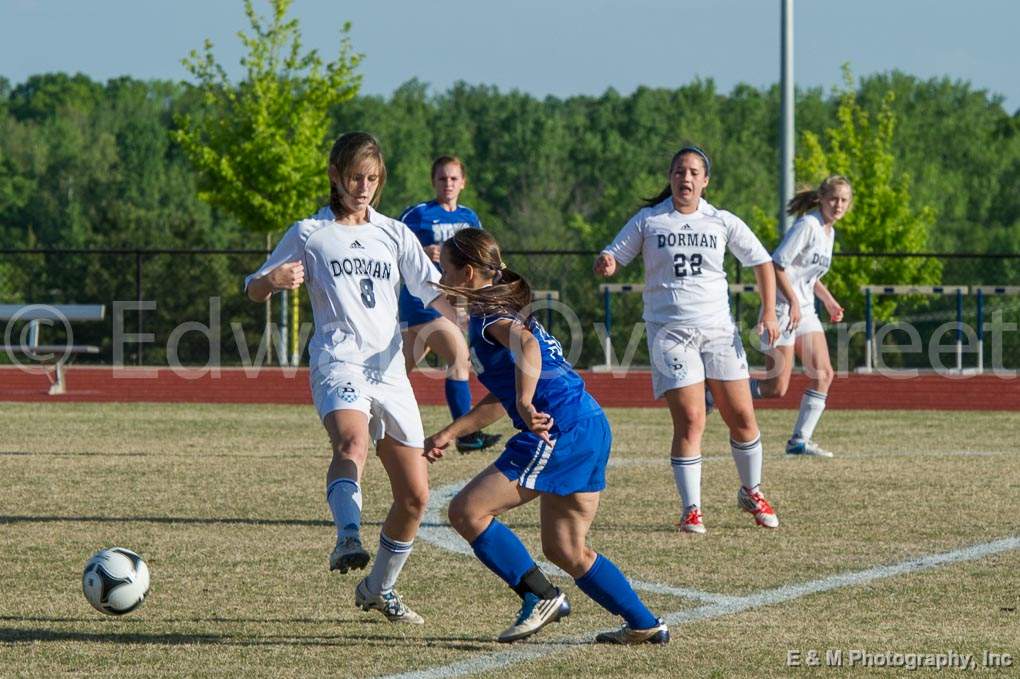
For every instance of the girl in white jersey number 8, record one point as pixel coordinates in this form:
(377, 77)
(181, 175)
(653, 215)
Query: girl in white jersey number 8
(691, 336)
(352, 258)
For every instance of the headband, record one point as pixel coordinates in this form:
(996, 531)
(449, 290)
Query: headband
(704, 156)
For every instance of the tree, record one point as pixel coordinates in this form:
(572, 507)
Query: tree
(882, 218)
(259, 147)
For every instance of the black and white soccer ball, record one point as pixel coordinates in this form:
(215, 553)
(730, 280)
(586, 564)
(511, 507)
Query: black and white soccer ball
(115, 581)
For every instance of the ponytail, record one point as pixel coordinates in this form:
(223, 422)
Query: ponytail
(510, 293)
(808, 199)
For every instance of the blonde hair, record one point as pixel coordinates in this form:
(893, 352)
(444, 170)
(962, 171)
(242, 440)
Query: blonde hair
(808, 199)
(348, 151)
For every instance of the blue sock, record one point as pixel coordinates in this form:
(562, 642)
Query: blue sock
(503, 553)
(458, 397)
(609, 588)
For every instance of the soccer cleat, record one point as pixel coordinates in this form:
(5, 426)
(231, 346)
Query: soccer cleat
(625, 635)
(387, 603)
(755, 503)
(348, 554)
(800, 447)
(691, 521)
(477, 441)
(535, 614)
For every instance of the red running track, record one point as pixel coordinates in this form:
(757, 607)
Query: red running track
(276, 385)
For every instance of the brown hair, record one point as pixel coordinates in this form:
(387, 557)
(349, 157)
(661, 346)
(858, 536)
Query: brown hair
(509, 293)
(441, 161)
(808, 199)
(690, 149)
(348, 151)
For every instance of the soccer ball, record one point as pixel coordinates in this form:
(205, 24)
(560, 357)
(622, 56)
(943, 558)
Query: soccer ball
(115, 581)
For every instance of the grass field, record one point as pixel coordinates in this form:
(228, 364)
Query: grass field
(226, 505)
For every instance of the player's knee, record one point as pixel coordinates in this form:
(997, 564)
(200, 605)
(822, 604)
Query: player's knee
(414, 502)
(824, 375)
(461, 516)
(354, 447)
(691, 422)
(563, 554)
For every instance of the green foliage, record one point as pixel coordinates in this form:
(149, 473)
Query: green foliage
(883, 218)
(259, 147)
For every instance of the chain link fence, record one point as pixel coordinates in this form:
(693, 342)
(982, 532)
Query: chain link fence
(168, 307)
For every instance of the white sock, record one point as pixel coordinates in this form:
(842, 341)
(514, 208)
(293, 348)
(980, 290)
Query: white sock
(747, 457)
(388, 563)
(812, 405)
(687, 474)
(344, 498)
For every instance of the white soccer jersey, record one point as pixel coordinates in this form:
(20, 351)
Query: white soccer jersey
(352, 273)
(805, 254)
(685, 282)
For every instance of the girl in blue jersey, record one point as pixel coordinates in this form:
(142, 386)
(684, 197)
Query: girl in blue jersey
(425, 329)
(560, 454)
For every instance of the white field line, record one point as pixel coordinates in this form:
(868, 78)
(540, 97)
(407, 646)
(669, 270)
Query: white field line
(435, 530)
(502, 659)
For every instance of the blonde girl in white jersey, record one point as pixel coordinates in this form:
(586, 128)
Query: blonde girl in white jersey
(351, 259)
(691, 336)
(802, 258)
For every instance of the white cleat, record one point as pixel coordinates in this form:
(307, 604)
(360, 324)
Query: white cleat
(801, 448)
(625, 635)
(348, 554)
(387, 603)
(753, 502)
(535, 614)
(692, 521)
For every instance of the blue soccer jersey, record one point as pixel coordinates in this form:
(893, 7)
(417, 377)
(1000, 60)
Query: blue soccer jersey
(432, 225)
(560, 391)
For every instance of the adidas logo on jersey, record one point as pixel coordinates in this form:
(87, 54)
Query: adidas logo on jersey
(686, 226)
(357, 246)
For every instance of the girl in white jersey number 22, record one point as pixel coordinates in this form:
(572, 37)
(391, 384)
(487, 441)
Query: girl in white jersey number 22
(352, 258)
(802, 258)
(691, 336)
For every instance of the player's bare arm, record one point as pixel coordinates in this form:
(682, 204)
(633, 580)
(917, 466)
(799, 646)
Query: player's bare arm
(481, 415)
(834, 309)
(288, 276)
(528, 361)
(786, 287)
(765, 276)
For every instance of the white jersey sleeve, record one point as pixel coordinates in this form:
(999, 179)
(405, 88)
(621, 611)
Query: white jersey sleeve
(291, 248)
(742, 242)
(417, 271)
(805, 254)
(795, 240)
(627, 244)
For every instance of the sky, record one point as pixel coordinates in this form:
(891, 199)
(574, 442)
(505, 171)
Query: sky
(552, 47)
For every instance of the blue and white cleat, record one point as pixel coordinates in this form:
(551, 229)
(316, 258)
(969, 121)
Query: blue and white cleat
(535, 614)
(625, 635)
(802, 448)
(387, 603)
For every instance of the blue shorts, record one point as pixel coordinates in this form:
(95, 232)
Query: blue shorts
(575, 463)
(412, 311)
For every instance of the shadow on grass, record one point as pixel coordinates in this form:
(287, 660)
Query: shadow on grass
(15, 635)
(7, 519)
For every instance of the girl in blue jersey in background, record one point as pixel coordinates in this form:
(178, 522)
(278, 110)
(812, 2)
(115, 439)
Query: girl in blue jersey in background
(560, 454)
(425, 329)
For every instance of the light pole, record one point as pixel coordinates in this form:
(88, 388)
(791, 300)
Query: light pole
(786, 127)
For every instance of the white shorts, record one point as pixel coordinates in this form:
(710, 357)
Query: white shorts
(391, 407)
(809, 323)
(682, 355)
